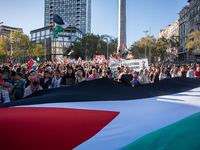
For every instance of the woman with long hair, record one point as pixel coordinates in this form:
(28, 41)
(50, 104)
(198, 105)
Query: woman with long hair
(69, 78)
(80, 76)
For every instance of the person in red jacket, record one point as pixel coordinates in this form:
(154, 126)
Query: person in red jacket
(197, 73)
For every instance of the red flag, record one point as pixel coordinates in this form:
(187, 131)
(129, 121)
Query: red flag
(56, 60)
(65, 60)
(119, 58)
(31, 63)
(123, 48)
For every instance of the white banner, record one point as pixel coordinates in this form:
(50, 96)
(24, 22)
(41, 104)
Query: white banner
(135, 64)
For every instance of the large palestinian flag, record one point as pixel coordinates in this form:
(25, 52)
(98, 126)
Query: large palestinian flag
(105, 115)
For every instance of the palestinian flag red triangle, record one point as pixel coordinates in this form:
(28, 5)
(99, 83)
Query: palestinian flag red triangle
(49, 128)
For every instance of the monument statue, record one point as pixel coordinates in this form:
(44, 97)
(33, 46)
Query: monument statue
(121, 26)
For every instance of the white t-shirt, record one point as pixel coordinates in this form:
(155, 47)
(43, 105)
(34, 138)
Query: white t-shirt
(57, 82)
(162, 76)
(175, 76)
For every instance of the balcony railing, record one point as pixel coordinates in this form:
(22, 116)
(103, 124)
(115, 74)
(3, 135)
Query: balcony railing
(192, 7)
(192, 16)
(198, 21)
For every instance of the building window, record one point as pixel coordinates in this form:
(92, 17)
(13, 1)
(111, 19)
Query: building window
(83, 17)
(83, 9)
(47, 32)
(83, 5)
(66, 6)
(83, 13)
(47, 8)
(66, 14)
(33, 35)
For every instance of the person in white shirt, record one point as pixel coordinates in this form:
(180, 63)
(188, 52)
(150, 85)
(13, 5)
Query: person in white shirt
(57, 79)
(175, 73)
(163, 74)
(190, 73)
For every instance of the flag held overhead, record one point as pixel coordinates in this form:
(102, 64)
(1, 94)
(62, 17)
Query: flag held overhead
(59, 25)
(58, 20)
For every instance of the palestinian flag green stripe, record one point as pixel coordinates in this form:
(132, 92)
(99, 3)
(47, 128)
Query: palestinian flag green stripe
(182, 135)
(127, 51)
(57, 29)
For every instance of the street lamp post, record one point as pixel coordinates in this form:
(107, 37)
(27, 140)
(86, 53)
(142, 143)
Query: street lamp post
(107, 46)
(107, 49)
(145, 43)
(11, 45)
(150, 47)
(45, 51)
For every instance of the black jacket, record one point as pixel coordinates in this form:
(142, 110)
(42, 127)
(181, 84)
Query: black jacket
(45, 85)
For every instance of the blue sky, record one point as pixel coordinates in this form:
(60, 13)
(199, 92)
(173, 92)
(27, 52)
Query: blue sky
(141, 15)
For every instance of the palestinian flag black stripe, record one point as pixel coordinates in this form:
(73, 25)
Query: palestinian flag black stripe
(107, 90)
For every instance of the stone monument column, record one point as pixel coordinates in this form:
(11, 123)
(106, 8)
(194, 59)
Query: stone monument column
(121, 25)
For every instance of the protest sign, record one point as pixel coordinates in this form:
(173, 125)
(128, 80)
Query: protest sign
(135, 64)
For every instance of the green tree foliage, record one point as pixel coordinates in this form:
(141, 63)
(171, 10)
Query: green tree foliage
(5, 47)
(158, 47)
(193, 42)
(91, 45)
(21, 45)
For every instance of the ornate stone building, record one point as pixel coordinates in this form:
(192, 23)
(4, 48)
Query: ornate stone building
(189, 21)
(168, 32)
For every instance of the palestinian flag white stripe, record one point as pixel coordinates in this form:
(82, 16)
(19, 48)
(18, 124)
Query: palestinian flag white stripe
(136, 118)
(108, 116)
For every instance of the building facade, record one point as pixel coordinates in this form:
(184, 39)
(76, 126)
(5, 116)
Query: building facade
(183, 54)
(6, 31)
(189, 18)
(77, 13)
(169, 32)
(56, 47)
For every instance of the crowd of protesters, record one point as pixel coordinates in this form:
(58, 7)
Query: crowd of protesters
(17, 83)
